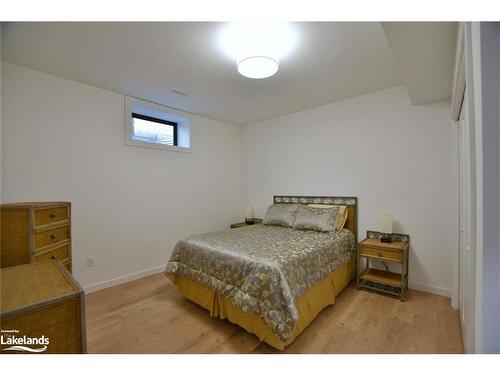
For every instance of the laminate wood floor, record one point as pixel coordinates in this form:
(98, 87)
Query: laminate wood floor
(149, 315)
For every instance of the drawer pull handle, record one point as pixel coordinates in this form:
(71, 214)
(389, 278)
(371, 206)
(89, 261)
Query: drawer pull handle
(53, 257)
(380, 254)
(52, 215)
(53, 236)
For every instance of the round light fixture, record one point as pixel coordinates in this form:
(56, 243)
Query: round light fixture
(258, 47)
(258, 67)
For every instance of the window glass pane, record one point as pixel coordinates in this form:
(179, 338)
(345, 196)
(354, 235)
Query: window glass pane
(153, 132)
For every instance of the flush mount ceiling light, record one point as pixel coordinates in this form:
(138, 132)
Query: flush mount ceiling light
(258, 67)
(257, 47)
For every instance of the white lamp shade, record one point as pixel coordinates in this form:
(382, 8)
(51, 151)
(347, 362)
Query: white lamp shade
(249, 212)
(385, 223)
(258, 67)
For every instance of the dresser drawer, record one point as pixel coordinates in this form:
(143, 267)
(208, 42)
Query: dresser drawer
(50, 237)
(67, 264)
(381, 253)
(61, 253)
(44, 216)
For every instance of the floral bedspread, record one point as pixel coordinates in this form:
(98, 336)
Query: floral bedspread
(263, 269)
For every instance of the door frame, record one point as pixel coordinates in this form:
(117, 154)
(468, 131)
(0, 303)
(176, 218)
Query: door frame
(457, 100)
(468, 75)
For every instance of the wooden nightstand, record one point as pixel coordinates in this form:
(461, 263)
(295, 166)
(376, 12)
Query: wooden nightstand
(244, 224)
(371, 248)
(239, 225)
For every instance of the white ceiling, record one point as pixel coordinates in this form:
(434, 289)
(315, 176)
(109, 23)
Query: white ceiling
(425, 52)
(332, 61)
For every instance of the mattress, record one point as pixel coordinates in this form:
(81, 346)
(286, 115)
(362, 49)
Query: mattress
(261, 269)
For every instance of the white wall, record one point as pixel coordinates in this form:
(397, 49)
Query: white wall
(395, 157)
(498, 187)
(64, 140)
(490, 87)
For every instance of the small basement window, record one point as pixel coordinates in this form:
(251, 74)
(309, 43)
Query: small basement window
(154, 130)
(155, 126)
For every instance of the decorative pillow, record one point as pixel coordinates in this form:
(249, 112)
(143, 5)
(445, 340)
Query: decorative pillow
(281, 214)
(341, 217)
(318, 219)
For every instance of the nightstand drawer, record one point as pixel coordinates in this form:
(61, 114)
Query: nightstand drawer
(381, 253)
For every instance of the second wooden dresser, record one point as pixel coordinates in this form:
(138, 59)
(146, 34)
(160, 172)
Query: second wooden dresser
(35, 231)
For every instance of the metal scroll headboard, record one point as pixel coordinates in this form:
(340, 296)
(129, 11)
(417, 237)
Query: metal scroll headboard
(350, 202)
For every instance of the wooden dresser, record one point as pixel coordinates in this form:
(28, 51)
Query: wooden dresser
(42, 302)
(35, 231)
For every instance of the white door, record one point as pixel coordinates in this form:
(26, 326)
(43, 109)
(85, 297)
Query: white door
(466, 257)
(462, 214)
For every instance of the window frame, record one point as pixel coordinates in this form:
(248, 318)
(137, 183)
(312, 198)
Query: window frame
(184, 120)
(159, 121)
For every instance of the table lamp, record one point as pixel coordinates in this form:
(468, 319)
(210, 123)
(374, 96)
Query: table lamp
(385, 223)
(249, 214)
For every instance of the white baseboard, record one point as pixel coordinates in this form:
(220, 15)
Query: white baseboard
(123, 279)
(430, 289)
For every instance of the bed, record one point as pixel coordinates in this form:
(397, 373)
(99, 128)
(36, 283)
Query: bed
(270, 280)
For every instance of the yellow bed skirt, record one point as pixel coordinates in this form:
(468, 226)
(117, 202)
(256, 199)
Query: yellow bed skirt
(309, 304)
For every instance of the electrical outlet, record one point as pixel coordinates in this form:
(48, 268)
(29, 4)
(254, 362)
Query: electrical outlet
(90, 261)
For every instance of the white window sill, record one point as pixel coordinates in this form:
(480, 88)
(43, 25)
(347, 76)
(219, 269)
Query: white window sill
(159, 147)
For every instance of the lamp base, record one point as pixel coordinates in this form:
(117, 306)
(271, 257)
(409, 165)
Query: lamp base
(385, 238)
(253, 220)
